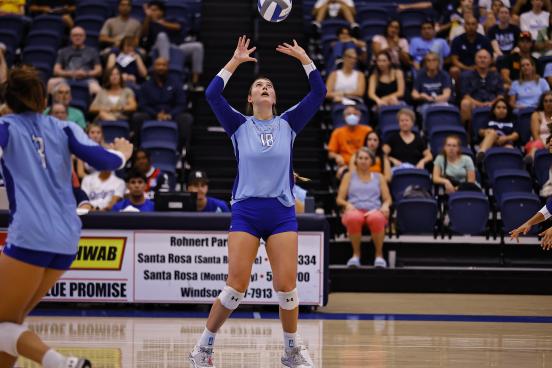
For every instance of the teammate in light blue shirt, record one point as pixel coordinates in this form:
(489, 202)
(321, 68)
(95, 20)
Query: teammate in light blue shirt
(44, 229)
(262, 199)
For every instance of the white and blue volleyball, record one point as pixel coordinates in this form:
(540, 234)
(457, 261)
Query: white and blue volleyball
(274, 10)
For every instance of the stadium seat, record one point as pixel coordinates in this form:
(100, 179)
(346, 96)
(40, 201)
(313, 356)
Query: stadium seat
(159, 134)
(541, 166)
(48, 23)
(405, 177)
(468, 212)
(412, 17)
(511, 180)
(541, 63)
(163, 158)
(387, 116)
(41, 57)
(178, 10)
(438, 115)
(44, 38)
(371, 12)
(80, 95)
(480, 118)
(523, 124)
(94, 8)
(15, 24)
(416, 215)
(498, 158)
(370, 28)
(516, 208)
(440, 133)
(330, 26)
(91, 23)
(411, 29)
(115, 129)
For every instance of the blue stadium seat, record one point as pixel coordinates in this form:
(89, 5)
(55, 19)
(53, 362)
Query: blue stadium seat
(541, 165)
(93, 8)
(511, 180)
(439, 115)
(159, 134)
(411, 29)
(45, 38)
(371, 12)
(498, 158)
(178, 10)
(412, 17)
(468, 212)
(523, 124)
(516, 208)
(387, 116)
(48, 23)
(137, 11)
(370, 28)
(15, 24)
(115, 129)
(440, 133)
(80, 94)
(480, 118)
(330, 26)
(164, 159)
(41, 57)
(541, 63)
(405, 177)
(416, 216)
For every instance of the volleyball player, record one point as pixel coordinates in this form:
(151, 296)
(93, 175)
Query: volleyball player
(262, 199)
(44, 229)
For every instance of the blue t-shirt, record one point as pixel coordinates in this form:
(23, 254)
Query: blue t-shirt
(425, 84)
(36, 165)
(528, 93)
(147, 206)
(466, 50)
(215, 205)
(264, 148)
(420, 47)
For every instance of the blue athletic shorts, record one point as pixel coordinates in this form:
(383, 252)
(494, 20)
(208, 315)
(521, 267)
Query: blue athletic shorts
(262, 217)
(38, 258)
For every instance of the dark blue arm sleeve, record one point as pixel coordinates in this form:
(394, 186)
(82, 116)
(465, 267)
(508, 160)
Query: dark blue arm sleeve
(229, 118)
(549, 204)
(299, 115)
(92, 153)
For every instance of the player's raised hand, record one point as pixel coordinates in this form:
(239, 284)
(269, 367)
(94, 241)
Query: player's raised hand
(546, 242)
(295, 51)
(123, 146)
(522, 230)
(243, 53)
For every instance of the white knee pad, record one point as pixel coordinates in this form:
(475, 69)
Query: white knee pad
(9, 334)
(288, 300)
(230, 298)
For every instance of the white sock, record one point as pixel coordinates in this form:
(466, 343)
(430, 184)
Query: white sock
(53, 359)
(289, 340)
(207, 338)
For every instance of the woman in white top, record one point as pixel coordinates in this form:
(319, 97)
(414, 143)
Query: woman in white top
(535, 20)
(396, 45)
(346, 82)
(114, 101)
(540, 120)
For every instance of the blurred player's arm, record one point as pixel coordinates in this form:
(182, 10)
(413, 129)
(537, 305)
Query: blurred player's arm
(542, 215)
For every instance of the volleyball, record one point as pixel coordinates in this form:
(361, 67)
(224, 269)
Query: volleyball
(274, 10)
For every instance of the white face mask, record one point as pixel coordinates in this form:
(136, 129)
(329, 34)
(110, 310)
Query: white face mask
(352, 119)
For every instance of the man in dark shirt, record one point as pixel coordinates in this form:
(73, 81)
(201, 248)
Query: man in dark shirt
(78, 62)
(162, 98)
(199, 183)
(465, 46)
(480, 87)
(511, 65)
(504, 36)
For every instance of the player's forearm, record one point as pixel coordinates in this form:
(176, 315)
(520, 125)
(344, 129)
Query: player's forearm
(232, 65)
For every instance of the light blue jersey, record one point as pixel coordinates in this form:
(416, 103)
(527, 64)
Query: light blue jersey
(264, 148)
(36, 165)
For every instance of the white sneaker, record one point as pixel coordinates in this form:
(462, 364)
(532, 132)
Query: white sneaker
(202, 357)
(297, 357)
(380, 262)
(73, 362)
(353, 262)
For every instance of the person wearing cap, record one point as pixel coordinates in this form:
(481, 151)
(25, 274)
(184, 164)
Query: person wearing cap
(510, 66)
(136, 200)
(199, 183)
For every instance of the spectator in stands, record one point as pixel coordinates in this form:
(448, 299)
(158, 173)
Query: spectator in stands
(523, 6)
(541, 119)
(344, 42)
(346, 83)
(79, 62)
(95, 133)
(432, 85)
(61, 93)
(162, 98)
(489, 18)
(511, 65)
(500, 130)
(381, 164)
(12, 7)
(485, 5)
(420, 46)
(544, 39)
(59, 111)
(365, 199)
(526, 91)
(460, 25)
(199, 183)
(104, 189)
(465, 47)
(451, 168)
(395, 45)
(116, 28)
(136, 200)
(346, 140)
(386, 83)
(129, 62)
(156, 180)
(454, 15)
(504, 36)
(114, 101)
(535, 20)
(480, 87)
(161, 34)
(64, 8)
(406, 148)
(332, 9)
